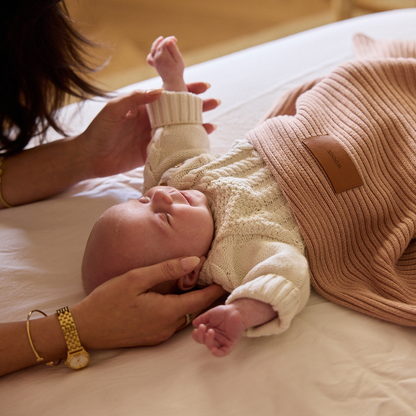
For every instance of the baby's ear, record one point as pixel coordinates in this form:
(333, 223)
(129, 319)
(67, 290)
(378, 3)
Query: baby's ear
(188, 281)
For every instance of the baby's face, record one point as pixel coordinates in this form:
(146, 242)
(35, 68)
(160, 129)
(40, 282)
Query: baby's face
(162, 224)
(169, 223)
(173, 218)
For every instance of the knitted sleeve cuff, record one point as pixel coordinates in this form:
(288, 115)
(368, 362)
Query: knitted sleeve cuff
(284, 297)
(175, 108)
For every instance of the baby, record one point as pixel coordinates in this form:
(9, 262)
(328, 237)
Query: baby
(228, 210)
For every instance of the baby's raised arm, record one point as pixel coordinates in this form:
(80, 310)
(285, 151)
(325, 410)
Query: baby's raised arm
(221, 328)
(166, 58)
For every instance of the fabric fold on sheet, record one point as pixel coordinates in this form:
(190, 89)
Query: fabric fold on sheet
(361, 242)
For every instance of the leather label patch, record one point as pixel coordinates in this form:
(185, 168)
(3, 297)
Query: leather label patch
(335, 161)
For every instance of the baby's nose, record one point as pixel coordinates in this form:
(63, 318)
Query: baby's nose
(161, 196)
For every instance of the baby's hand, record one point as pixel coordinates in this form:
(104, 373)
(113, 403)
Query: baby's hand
(166, 58)
(219, 329)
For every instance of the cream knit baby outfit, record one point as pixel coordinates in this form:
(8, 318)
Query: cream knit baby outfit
(257, 251)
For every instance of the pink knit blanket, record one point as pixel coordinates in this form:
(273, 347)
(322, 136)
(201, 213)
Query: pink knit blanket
(343, 149)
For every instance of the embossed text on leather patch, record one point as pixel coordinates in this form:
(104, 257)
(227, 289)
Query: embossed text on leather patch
(335, 161)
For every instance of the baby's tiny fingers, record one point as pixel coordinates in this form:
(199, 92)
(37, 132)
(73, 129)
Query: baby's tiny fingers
(155, 44)
(150, 60)
(198, 334)
(210, 340)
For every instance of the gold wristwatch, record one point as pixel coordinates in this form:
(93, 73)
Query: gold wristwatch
(77, 356)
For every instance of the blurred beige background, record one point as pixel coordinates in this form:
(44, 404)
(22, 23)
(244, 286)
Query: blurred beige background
(205, 29)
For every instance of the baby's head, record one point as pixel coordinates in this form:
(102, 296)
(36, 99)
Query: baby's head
(162, 224)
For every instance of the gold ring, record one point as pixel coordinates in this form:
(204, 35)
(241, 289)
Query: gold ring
(188, 318)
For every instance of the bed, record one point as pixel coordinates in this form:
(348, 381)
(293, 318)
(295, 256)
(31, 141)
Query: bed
(332, 361)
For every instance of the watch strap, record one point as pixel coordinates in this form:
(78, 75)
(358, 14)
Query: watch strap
(69, 329)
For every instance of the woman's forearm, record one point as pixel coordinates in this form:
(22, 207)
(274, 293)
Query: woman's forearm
(131, 321)
(42, 172)
(15, 350)
(115, 141)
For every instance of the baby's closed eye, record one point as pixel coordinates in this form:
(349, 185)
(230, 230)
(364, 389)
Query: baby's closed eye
(144, 199)
(164, 216)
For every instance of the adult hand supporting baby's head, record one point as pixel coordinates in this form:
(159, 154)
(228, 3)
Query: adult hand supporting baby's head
(122, 312)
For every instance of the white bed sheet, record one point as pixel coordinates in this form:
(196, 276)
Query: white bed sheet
(332, 361)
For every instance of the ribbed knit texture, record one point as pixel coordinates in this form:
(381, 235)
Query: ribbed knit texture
(182, 108)
(367, 48)
(361, 243)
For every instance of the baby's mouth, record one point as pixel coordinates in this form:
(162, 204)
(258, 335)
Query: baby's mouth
(187, 197)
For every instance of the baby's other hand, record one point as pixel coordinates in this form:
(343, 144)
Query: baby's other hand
(219, 329)
(166, 58)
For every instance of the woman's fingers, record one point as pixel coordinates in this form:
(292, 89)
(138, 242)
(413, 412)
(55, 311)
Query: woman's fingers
(195, 302)
(150, 276)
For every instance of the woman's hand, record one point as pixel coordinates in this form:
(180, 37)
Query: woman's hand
(117, 139)
(123, 312)
(115, 142)
(119, 313)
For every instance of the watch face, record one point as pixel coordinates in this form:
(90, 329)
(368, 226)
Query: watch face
(78, 361)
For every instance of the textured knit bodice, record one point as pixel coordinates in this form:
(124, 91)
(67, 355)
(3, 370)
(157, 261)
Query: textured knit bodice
(257, 251)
